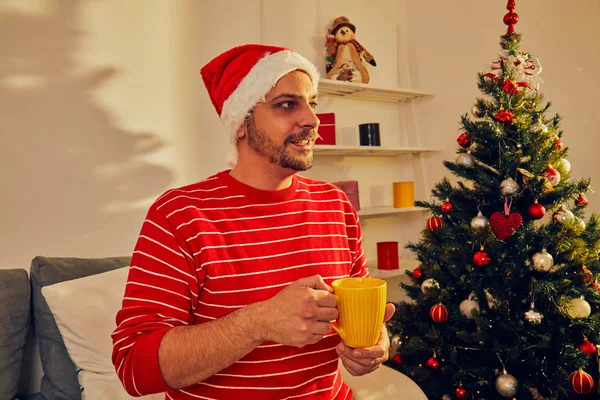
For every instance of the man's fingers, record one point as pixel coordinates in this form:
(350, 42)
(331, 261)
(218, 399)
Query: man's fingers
(364, 355)
(390, 309)
(320, 284)
(327, 314)
(314, 282)
(325, 299)
(321, 328)
(356, 368)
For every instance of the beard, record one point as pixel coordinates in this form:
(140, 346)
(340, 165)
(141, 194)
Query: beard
(284, 155)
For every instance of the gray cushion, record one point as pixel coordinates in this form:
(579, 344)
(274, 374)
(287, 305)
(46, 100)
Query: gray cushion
(15, 305)
(60, 377)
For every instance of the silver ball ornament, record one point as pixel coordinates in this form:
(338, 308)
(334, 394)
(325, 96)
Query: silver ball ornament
(465, 160)
(507, 385)
(563, 214)
(539, 127)
(480, 222)
(469, 306)
(395, 342)
(509, 187)
(542, 261)
(429, 284)
(579, 308)
(533, 316)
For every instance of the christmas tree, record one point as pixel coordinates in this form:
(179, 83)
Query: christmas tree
(505, 300)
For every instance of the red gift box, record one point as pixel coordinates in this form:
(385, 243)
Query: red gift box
(387, 255)
(351, 190)
(326, 129)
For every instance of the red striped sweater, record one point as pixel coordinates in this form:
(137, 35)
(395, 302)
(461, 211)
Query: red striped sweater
(210, 248)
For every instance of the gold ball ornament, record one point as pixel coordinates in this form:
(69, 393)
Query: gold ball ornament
(566, 165)
(429, 284)
(480, 222)
(579, 308)
(542, 261)
(506, 384)
(509, 187)
(465, 160)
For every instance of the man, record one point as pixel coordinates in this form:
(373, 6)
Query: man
(228, 294)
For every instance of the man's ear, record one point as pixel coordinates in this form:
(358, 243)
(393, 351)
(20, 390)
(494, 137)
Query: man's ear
(241, 133)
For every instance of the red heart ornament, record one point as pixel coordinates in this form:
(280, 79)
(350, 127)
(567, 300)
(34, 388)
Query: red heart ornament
(504, 225)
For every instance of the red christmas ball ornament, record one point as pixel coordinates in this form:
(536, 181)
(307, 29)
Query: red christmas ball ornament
(435, 223)
(504, 116)
(417, 273)
(581, 200)
(597, 286)
(460, 392)
(587, 273)
(558, 143)
(587, 347)
(464, 140)
(447, 207)
(397, 359)
(581, 381)
(432, 363)
(481, 258)
(439, 313)
(536, 210)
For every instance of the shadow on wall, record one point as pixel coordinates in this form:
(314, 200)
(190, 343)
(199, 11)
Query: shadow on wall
(70, 178)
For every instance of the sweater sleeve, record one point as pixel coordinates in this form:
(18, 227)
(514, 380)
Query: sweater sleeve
(161, 293)
(359, 261)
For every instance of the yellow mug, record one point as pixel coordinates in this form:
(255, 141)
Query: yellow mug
(361, 306)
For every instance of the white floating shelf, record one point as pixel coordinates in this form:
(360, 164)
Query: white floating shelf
(405, 263)
(387, 210)
(362, 91)
(368, 151)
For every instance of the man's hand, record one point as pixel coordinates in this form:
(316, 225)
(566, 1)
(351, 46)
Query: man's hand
(368, 359)
(299, 314)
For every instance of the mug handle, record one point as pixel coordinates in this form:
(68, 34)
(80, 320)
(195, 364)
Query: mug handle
(334, 324)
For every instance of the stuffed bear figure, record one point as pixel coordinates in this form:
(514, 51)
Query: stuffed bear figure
(346, 58)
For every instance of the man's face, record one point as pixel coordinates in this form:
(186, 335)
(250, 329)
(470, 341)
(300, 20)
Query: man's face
(283, 129)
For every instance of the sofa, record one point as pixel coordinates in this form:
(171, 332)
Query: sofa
(68, 305)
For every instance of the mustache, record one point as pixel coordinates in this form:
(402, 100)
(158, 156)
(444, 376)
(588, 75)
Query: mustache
(307, 134)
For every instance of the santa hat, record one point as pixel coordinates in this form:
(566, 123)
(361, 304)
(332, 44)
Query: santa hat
(241, 77)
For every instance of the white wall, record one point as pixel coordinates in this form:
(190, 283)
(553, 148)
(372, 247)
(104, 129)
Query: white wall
(102, 107)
